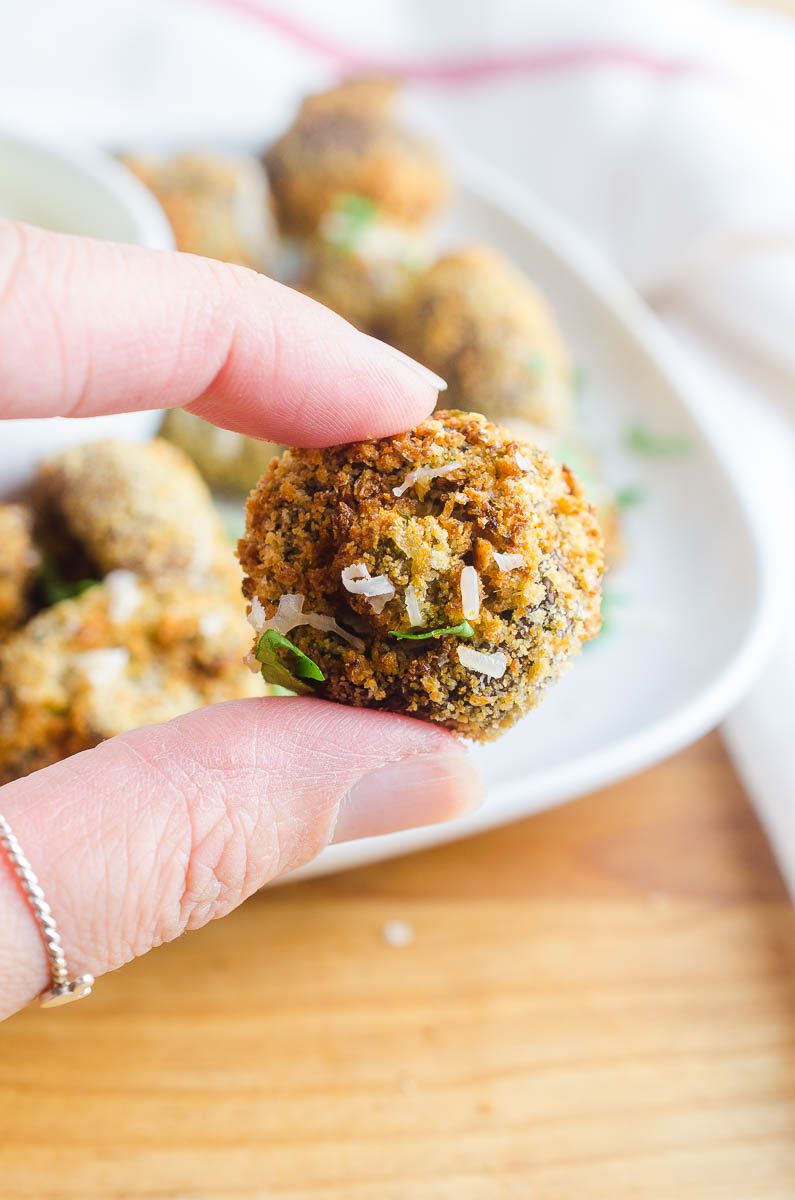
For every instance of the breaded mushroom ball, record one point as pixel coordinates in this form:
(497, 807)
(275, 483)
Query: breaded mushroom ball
(347, 140)
(449, 573)
(127, 652)
(360, 265)
(218, 205)
(229, 461)
(480, 324)
(141, 506)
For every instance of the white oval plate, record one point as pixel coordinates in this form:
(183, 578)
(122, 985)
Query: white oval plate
(693, 624)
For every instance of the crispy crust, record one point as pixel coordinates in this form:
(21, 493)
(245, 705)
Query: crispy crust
(363, 277)
(184, 650)
(363, 292)
(346, 140)
(318, 511)
(491, 335)
(142, 506)
(18, 563)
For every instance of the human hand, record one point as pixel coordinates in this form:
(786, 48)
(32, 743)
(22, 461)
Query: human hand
(158, 831)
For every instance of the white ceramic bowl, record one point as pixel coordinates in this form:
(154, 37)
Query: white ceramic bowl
(72, 190)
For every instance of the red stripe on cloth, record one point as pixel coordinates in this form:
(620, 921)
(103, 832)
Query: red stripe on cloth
(463, 70)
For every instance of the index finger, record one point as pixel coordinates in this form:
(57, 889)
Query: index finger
(89, 327)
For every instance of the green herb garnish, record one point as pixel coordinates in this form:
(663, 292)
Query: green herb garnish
(656, 445)
(577, 461)
(274, 670)
(463, 630)
(538, 363)
(350, 217)
(611, 602)
(628, 497)
(55, 587)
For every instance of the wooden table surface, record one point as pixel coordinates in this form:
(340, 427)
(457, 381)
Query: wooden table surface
(598, 1004)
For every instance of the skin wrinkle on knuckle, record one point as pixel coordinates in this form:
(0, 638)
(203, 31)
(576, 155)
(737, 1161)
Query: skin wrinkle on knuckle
(209, 865)
(151, 919)
(201, 861)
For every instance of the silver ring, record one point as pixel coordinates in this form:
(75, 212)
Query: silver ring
(62, 990)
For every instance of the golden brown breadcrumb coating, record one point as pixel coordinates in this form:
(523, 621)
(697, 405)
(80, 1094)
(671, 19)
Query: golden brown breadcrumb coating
(218, 205)
(480, 324)
(347, 140)
(360, 265)
(18, 563)
(125, 653)
(317, 513)
(139, 505)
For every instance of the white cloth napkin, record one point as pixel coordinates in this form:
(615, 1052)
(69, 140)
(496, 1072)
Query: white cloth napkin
(659, 128)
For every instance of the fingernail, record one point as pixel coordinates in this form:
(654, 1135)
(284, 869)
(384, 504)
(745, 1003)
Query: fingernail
(423, 373)
(423, 790)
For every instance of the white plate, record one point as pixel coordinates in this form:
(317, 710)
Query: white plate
(693, 626)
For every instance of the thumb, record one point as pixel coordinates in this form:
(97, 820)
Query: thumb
(160, 830)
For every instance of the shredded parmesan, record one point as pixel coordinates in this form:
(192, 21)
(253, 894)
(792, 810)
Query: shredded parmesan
(523, 463)
(420, 473)
(329, 625)
(493, 665)
(211, 624)
(377, 589)
(256, 615)
(290, 614)
(413, 606)
(508, 562)
(124, 594)
(470, 593)
(102, 667)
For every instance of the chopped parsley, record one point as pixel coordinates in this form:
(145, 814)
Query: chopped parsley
(352, 214)
(54, 586)
(273, 669)
(577, 460)
(611, 603)
(464, 630)
(538, 363)
(655, 445)
(628, 497)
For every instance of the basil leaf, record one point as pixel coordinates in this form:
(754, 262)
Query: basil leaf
(274, 670)
(463, 630)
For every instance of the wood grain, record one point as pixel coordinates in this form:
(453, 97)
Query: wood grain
(599, 1004)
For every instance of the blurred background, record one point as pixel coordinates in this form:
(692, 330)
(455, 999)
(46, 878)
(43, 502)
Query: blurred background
(597, 1000)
